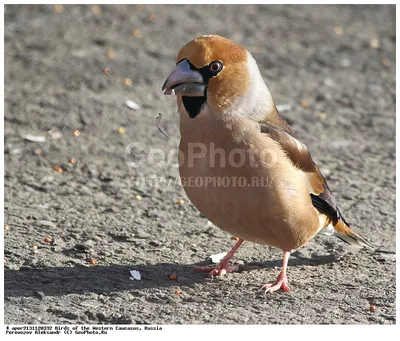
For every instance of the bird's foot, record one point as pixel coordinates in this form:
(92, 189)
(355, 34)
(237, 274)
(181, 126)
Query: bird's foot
(281, 283)
(223, 267)
(219, 270)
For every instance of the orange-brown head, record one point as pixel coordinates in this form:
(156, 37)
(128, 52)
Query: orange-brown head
(216, 72)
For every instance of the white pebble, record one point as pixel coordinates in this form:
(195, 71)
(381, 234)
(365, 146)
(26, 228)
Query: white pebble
(135, 275)
(132, 105)
(218, 257)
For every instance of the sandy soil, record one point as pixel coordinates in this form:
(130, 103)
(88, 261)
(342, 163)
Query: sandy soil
(341, 60)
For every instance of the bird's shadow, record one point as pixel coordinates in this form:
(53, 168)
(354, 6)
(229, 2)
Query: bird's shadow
(58, 281)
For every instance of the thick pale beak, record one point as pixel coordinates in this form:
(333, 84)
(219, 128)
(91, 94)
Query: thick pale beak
(184, 81)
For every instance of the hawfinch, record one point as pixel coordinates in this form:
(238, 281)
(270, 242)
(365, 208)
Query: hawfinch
(240, 163)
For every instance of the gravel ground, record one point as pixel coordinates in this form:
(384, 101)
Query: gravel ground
(66, 69)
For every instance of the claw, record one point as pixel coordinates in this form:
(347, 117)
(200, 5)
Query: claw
(220, 270)
(281, 283)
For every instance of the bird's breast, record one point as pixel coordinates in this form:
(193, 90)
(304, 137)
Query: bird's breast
(242, 181)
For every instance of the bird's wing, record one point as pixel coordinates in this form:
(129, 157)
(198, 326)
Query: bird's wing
(321, 195)
(300, 156)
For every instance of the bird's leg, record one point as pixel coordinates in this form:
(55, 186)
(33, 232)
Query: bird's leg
(223, 267)
(281, 281)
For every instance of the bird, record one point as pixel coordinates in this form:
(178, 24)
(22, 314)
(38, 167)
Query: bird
(240, 163)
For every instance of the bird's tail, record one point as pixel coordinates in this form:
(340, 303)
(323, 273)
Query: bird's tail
(345, 233)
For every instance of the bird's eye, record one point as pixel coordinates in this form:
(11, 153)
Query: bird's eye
(216, 66)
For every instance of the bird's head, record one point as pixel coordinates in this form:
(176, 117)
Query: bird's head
(217, 73)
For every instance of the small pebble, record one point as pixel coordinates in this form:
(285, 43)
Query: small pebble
(218, 257)
(339, 30)
(153, 17)
(34, 138)
(132, 105)
(96, 9)
(137, 33)
(58, 8)
(55, 134)
(128, 82)
(322, 115)
(374, 43)
(135, 274)
(304, 103)
(58, 168)
(111, 54)
(37, 152)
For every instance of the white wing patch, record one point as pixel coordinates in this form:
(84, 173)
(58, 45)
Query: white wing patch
(328, 231)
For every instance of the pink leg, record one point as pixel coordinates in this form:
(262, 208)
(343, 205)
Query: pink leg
(224, 266)
(281, 281)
